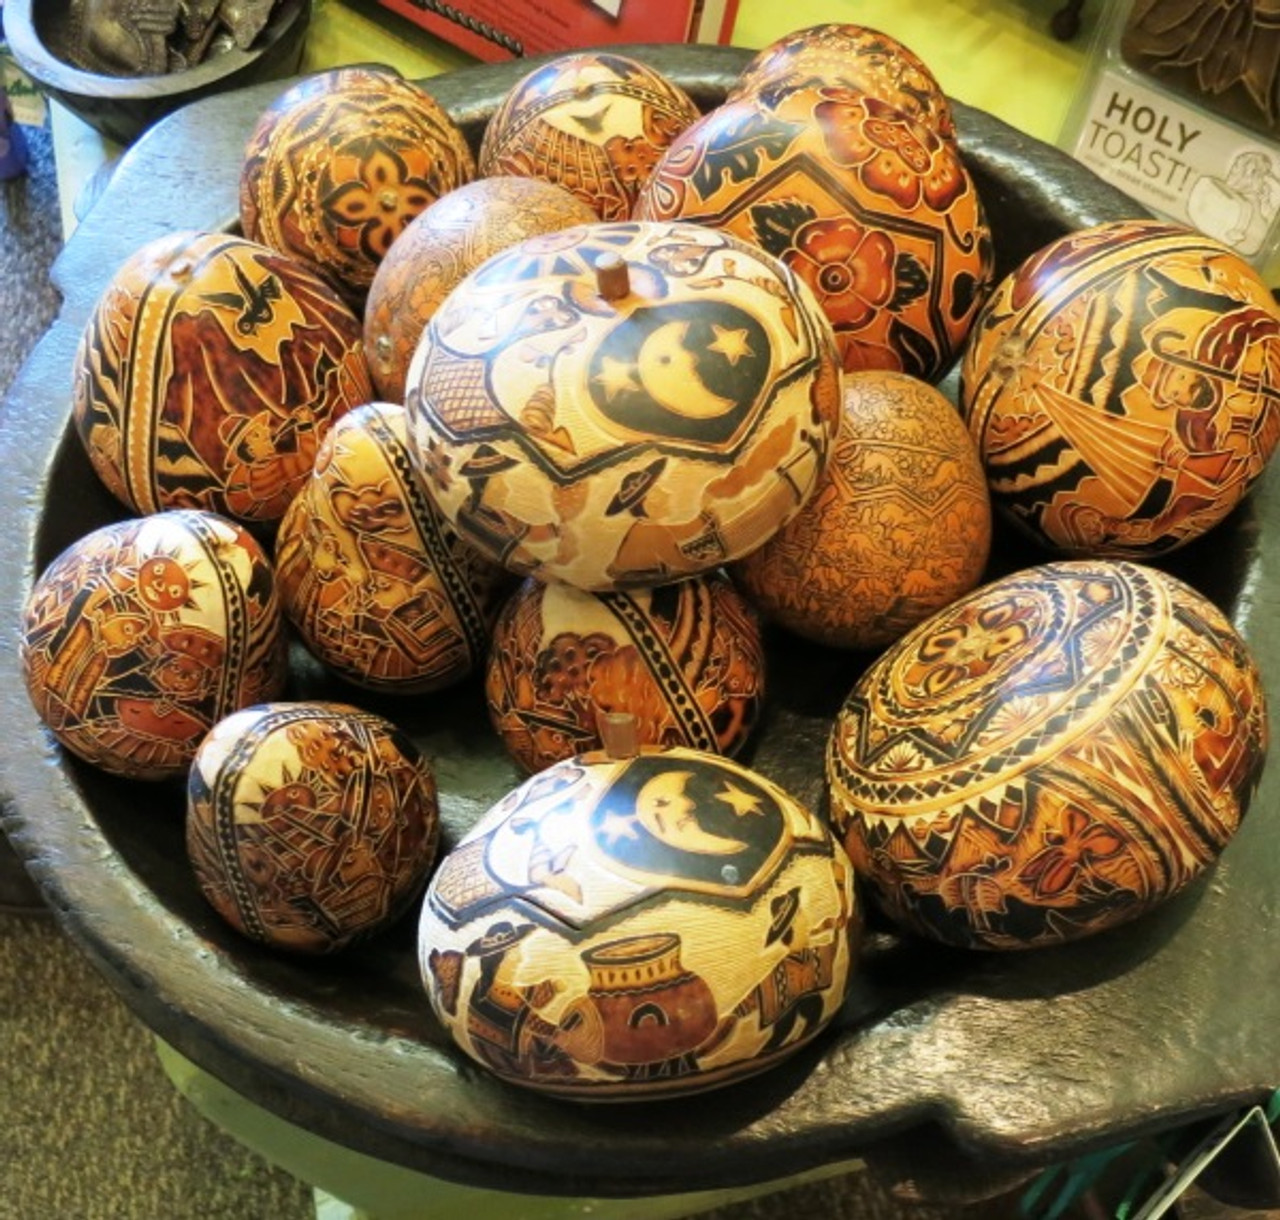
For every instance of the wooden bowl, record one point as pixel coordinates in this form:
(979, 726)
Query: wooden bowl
(996, 1064)
(123, 107)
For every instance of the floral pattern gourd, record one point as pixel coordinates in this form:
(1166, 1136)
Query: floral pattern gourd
(874, 211)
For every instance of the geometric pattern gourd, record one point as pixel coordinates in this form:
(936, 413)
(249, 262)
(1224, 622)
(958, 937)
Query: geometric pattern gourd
(898, 526)
(873, 210)
(1054, 754)
(1123, 387)
(647, 926)
(620, 442)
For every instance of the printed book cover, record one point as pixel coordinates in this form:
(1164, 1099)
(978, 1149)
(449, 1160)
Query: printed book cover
(494, 30)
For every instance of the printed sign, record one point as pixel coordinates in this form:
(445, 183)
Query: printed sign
(1181, 163)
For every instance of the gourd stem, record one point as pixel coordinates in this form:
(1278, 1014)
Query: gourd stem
(612, 279)
(619, 734)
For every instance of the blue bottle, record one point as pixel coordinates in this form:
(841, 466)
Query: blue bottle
(13, 146)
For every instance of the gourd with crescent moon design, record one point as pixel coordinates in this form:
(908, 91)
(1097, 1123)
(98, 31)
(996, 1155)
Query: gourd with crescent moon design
(626, 404)
(653, 924)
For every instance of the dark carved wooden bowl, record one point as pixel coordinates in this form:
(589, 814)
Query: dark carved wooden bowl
(993, 1064)
(122, 107)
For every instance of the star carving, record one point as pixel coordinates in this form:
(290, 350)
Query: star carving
(731, 343)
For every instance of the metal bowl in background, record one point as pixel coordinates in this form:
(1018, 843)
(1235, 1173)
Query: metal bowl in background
(123, 107)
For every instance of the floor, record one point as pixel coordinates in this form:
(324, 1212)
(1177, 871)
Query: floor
(89, 1125)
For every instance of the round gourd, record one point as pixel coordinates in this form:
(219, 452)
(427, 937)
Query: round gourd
(208, 374)
(1122, 388)
(875, 212)
(440, 246)
(1053, 755)
(594, 122)
(685, 660)
(624, 404)
(898, 526)
(639, 927)
(377, 583)
(143, 634)
(340, 162)
(854, 57)
(310, 826)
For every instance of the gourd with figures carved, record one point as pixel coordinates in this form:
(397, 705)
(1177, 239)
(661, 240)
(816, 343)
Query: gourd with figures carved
(593, 122)
(639, 925)
(141, 635)
(310, 826)
(377, 583)
(208, 374)
(1123, 387)
(685, 660)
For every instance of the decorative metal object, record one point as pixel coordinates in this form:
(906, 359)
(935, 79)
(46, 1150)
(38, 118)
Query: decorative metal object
(153, 37)
(1224, 54)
